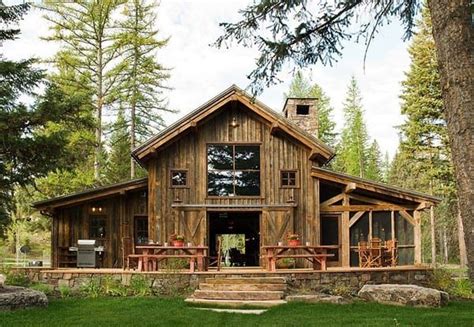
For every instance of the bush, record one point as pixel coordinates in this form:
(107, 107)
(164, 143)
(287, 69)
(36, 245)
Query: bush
(463, 289)
(341, 289)
(140, 286)
(443, 280)
(45, 288)
(17, 278)
(113, 287)
(92, 289)
(64, 291)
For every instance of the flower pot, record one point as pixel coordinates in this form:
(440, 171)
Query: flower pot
(294, 242)
(178, 244)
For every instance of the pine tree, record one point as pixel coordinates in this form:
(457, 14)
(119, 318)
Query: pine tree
(374, 168)
(352, 149)
(302, 87)
(142, 79)
(118, 168)
(423, 161)
(86, 32)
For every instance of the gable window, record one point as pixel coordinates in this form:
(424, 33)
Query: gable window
(233, 170)
(288, 178)
(179, 178)
(97, 227)
(302, 109)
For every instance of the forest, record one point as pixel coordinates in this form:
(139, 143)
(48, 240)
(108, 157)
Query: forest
(73, 126)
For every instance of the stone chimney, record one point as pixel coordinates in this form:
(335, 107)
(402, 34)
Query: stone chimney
(304, 113)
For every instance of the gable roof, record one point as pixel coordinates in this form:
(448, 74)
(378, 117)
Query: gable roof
(92, 194)
(373, 186)
(279, 123)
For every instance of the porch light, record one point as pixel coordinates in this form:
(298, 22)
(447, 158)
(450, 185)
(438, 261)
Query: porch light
(234, 122)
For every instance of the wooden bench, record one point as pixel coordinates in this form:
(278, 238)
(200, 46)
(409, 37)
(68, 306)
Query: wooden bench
(318, 259)
(154, 259)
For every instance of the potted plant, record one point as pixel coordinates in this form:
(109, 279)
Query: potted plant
(293, 239)
(179, 241)
(286, 263)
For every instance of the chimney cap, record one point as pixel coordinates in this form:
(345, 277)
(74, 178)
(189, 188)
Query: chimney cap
(297, 98)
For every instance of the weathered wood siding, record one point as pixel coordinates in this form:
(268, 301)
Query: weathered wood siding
(189, 152)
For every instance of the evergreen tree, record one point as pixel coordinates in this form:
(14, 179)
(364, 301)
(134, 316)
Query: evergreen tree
(142, 79)
(302, 87)
(352, 149)
(423, 161)
(86, 32)
(374, 167)
(31, 145)
(118, 168)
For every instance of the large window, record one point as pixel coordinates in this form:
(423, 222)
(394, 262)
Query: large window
(233, 170)
(141, 229)
(97, 227)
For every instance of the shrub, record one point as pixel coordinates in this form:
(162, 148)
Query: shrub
(442, 280)
(45, 288)
(113, 287)
(17, 278)
(64, 291)
(140, 286)
(341, 289)
(92, 289)
(463, 288)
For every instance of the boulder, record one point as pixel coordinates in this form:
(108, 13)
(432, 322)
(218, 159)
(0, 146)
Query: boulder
(409, 295)
(2, 280)
(316, 298)
(14, 297)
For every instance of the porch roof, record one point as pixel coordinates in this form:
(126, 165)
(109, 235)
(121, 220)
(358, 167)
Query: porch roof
(374, 187)
(91, 194)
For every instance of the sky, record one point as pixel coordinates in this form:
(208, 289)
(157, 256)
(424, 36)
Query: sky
(199, 71)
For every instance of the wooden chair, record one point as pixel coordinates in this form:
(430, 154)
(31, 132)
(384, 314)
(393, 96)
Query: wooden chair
(390, 253)
(375, 252)
(364, 254)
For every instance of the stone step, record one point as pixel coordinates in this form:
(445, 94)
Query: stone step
(236, 303)
(241, 287)
(246, 280)
(239, 295)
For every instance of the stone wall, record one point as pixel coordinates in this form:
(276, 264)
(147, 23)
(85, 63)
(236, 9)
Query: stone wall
(297, 281)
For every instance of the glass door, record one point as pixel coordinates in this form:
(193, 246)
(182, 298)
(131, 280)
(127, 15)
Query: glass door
(331, 236)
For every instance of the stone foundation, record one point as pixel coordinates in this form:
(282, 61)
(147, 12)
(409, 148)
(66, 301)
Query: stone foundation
(298, 281)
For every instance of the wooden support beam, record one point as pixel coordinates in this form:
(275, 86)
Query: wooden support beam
(433, 236)
(417, 230)
(407, 216)
(357, 207)
(350, 188)
(392, 221)
(345, 234)
(332, 200)
(355, 218)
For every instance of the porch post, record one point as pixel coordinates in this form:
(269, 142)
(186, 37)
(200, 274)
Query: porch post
(345, 234)
(417, 230)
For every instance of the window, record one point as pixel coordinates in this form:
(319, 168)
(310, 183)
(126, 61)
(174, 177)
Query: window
(233, 170)
(97, 227)
(141, 230)
(302, 109)
(179, 178)
(288, 178)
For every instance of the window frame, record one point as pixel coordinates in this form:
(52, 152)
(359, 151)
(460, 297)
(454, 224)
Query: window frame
(173, 170)
(297, 184)
(106, 226)
(135, 218)
(233, 145)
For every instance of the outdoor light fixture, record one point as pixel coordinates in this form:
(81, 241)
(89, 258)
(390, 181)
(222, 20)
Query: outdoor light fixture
(234, 122)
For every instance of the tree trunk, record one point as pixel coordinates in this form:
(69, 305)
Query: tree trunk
(445, 245)
(100, 103)
(462, 242)
(454, 38)
(433, 236)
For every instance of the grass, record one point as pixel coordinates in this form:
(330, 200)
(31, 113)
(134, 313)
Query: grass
(174, 312)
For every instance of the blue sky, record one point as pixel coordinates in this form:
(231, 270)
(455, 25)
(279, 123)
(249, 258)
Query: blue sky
(199, 71)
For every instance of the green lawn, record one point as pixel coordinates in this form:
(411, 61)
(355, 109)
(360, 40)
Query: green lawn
(174, 312)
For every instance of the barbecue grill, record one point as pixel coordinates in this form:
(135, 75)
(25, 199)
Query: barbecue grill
(87, 253)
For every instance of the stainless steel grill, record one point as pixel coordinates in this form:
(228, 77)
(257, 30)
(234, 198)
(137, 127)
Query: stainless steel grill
(86, 257)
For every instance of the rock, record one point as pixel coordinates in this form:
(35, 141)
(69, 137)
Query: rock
(2, 280)
(14, 297)
(316, 298)
(409, 295)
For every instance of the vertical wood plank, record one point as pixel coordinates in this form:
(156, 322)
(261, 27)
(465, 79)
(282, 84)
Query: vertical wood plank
(417, 230)
(345, 231)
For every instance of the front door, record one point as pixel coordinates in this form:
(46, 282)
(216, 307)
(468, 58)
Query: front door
(240, 238)
(331, 236)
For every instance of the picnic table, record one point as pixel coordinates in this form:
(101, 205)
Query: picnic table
(317, 255)
(152, 254)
